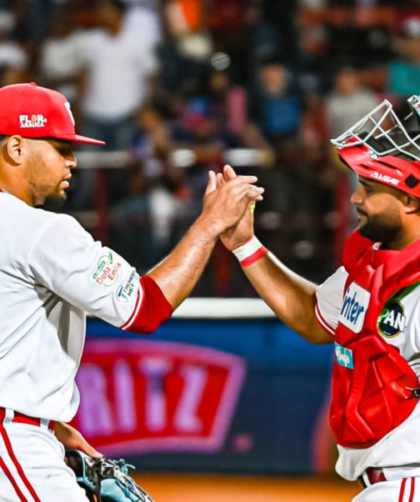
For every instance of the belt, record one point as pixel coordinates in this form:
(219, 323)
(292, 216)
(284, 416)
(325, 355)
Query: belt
(8, 415)
(371, 476)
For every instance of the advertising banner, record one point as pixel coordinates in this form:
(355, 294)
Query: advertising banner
(142, 396)
(215, 395)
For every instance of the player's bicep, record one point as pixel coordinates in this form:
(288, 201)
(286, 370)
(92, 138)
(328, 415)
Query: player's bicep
(320, 334)
(68, 262)
(310, 328)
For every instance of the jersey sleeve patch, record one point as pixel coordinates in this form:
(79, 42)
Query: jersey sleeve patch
(125, 292)
(107, 270)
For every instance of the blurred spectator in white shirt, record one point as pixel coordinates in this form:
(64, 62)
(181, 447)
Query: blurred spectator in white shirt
(13, 59)
(144, 20)
(117, 80)
(348, 102)
(61, 53)
(118, 66)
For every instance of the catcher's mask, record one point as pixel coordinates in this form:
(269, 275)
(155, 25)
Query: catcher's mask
(385, 148)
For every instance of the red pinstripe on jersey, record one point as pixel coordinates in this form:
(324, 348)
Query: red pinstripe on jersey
(402, 490)
(15, 461)
(413, 489)
(9, 476)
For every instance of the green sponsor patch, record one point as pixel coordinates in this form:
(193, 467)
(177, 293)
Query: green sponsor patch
(102, 263)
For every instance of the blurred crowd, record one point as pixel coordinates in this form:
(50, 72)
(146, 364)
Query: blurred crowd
(184, 86)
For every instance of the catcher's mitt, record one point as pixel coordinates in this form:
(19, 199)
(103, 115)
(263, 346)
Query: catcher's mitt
(105, 480)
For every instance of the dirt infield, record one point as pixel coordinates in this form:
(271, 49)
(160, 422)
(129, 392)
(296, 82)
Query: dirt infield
(211, 488)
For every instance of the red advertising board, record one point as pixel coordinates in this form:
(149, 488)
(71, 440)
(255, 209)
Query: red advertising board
(143, 396)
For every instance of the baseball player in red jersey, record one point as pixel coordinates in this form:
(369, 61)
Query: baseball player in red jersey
(369, 308)
(52, 273)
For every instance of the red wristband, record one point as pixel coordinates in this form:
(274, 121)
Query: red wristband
(250, 252)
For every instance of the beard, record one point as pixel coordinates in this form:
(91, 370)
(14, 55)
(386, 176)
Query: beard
(50, 197)
(381, 228)
(54, 202)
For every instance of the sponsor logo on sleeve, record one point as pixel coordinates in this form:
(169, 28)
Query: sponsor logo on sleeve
(125, 291)
(343, 356)
(392, 321)
(107, 270)
(353, 310)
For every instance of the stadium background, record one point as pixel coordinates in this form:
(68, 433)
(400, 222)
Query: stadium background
(223, 401)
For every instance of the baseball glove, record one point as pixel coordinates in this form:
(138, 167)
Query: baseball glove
(105, 480)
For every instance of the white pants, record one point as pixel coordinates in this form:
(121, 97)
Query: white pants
(399, 490)
(32, 467)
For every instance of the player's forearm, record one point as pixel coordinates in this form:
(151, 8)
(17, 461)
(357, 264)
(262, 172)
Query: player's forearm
(291, 297)
(179, 272)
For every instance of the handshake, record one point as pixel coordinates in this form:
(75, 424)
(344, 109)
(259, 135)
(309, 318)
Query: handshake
(228, 207)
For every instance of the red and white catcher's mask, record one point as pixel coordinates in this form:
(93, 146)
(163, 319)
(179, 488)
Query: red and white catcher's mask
(385, 148)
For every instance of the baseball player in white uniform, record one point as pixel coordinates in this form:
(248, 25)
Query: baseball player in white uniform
(369, 308)
(52, 273)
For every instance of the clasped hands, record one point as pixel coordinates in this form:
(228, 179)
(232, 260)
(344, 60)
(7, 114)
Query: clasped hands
(228, 206)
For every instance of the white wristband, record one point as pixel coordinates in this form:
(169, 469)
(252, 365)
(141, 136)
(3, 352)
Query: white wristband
(250, 252)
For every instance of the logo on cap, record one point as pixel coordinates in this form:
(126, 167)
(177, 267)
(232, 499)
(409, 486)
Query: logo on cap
(385, 178)
(32, 121)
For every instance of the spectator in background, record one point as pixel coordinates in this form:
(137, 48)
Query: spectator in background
(229, 102)
(280, 16)
(13, 59)
(119, 67)
(198, 128)
(275, 105)
(152, 141)
(61, 53)
(168, 191)
(118, 70)
(151, 212)
(358, 35)
(131, 222)
(188, 44)
(347, 102)
(404, 74)
(144, 20)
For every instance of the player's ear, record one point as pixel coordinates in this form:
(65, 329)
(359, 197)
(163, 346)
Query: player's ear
(411, 204)
(13, 149)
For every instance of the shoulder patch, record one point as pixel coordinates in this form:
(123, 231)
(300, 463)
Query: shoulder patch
(392, 321)
(126, 290)
(354, 307)
(107, 270)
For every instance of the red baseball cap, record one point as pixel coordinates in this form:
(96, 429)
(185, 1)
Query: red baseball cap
(32, 111)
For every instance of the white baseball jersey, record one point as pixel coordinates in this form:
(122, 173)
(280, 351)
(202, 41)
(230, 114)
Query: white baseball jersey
(399, 324)
(51, 274)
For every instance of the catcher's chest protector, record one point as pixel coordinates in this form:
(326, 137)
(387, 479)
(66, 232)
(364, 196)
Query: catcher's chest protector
(371, 380)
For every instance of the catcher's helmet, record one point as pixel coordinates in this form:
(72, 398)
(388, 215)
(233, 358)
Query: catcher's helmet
(384, 148)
